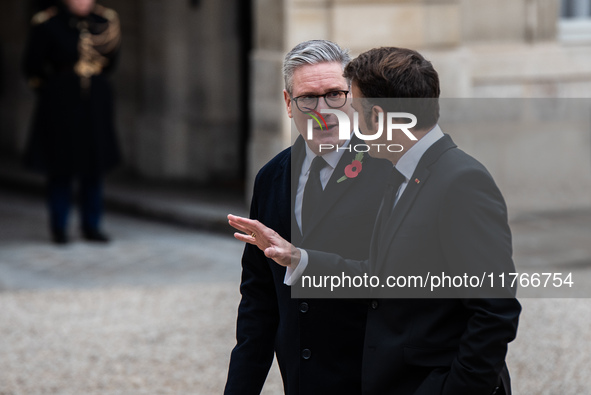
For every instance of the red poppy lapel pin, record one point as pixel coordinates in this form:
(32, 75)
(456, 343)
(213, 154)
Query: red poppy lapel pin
(353, 170)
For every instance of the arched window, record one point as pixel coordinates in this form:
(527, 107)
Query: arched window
(575, 9)
(575, 21)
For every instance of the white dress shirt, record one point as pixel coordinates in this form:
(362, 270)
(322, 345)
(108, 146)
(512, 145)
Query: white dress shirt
(406, 165)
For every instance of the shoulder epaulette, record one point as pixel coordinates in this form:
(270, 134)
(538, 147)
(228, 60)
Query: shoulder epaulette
(44, 16)
(107, 13)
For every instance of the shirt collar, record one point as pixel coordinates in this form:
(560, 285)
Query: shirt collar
(332, 157)
(409, 161)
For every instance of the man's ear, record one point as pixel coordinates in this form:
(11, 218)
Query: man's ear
(375, 117)
(288, 103)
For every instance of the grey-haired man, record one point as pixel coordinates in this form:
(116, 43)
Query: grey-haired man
(318, 342)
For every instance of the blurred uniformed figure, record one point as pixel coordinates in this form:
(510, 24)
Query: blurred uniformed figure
(71, 48)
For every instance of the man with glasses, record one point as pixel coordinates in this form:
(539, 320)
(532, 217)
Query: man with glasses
(305, 195)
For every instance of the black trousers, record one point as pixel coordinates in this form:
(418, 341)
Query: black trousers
(90, 199)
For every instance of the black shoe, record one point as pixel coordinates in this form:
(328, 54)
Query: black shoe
(59, 237)
(95, 235)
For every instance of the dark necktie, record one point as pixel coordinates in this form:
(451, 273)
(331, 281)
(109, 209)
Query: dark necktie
(312, 192)
(395, 179)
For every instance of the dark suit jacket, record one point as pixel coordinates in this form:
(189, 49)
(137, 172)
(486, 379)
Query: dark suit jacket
(454, 217)
(318, 343)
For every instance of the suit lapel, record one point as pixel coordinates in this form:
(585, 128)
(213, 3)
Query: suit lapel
(406, 201)
(294, 162)
(334, 190)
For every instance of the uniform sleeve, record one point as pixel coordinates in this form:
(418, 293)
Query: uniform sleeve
(112, 48)
(257, 322)
(35, 61)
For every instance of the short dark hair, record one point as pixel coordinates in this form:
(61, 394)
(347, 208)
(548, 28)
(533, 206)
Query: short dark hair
(398, 73)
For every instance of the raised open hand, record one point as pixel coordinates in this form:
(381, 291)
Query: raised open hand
(266, 239)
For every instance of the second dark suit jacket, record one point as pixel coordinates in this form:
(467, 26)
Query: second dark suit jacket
(451, 215)
(318, 343)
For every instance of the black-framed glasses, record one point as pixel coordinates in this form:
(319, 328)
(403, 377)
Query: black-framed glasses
(333, 99)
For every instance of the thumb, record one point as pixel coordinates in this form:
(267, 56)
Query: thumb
(275, 254)
(270, 252)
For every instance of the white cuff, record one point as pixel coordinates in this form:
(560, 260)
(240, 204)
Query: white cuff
(293, 275)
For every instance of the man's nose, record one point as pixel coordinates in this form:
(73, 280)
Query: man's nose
(321, 103)
(323, 106)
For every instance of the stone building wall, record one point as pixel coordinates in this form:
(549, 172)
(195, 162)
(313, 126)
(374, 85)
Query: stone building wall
(481, 49)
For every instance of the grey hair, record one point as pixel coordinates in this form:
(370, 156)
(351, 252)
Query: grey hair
(312, 52)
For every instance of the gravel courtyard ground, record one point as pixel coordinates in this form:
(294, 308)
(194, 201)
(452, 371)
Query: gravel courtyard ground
(154, 311)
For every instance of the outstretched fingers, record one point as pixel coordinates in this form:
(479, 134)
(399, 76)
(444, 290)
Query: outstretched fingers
(245, 238)
(266, 239)
(254, 232)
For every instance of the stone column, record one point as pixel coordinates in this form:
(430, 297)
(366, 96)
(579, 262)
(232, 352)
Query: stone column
(161, 136)
(542, 20)
(269, 125)
(189, 110)
(16, 99)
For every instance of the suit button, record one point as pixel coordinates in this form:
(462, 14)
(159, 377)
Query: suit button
(304, 307)
(306, 353)
(374, 304)
(495, 391)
